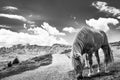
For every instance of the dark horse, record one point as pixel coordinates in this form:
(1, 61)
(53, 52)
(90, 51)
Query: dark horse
(89, 41)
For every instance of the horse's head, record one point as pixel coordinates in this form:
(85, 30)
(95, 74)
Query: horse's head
(78, 63)
(77, 59)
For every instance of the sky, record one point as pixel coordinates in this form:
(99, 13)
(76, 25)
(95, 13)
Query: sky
(46, 22)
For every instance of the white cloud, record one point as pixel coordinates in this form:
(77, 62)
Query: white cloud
(4, 26)
(70, 29)
(18, 17)
(39, 37)
(103, 6)
(102, 23)
(51, 30)
(11, 8)
(118, 17)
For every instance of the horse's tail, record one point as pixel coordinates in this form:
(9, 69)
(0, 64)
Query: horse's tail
(110, 53)
(107, 50)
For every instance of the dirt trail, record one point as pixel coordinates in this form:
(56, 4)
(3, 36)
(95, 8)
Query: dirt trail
(61, 64)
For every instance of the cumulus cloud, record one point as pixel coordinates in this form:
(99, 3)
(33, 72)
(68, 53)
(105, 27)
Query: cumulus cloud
(70, 29)
(118, 17)
(51, 30)
(17, 17)
(39, 36)
(102, 23)
(4, 26)
(103, 7)
(10, 8)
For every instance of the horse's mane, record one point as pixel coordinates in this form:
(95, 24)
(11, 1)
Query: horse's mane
(81, 37)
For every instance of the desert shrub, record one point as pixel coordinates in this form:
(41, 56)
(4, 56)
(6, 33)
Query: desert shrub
(9, 64)
(16, 61)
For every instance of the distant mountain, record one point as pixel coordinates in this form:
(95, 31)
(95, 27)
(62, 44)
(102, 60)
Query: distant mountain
(59, 48)
(21, 49)
(55, 48)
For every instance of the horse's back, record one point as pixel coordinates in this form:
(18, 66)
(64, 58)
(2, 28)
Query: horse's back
(91, 38)
(90, 35)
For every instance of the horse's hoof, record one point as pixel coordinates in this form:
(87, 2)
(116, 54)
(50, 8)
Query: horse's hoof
(86, 66)
(98, 71)
(79, 77)
(90, 74)
(106, 71)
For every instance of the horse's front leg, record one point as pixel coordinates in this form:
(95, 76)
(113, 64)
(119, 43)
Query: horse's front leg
(90, 63)
(86, 61)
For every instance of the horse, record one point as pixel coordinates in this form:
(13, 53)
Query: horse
(88, 41)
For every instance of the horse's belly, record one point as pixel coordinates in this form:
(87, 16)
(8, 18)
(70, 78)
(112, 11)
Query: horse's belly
(90, 48)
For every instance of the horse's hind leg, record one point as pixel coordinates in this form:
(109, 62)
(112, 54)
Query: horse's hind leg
(86, 61)
(90, 63)
(106, 50)
(98, 60)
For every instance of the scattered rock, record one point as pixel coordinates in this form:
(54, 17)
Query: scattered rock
(9, 64)
(16, 61)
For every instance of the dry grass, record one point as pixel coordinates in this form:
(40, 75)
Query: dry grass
(61, 69)
(26, 65)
